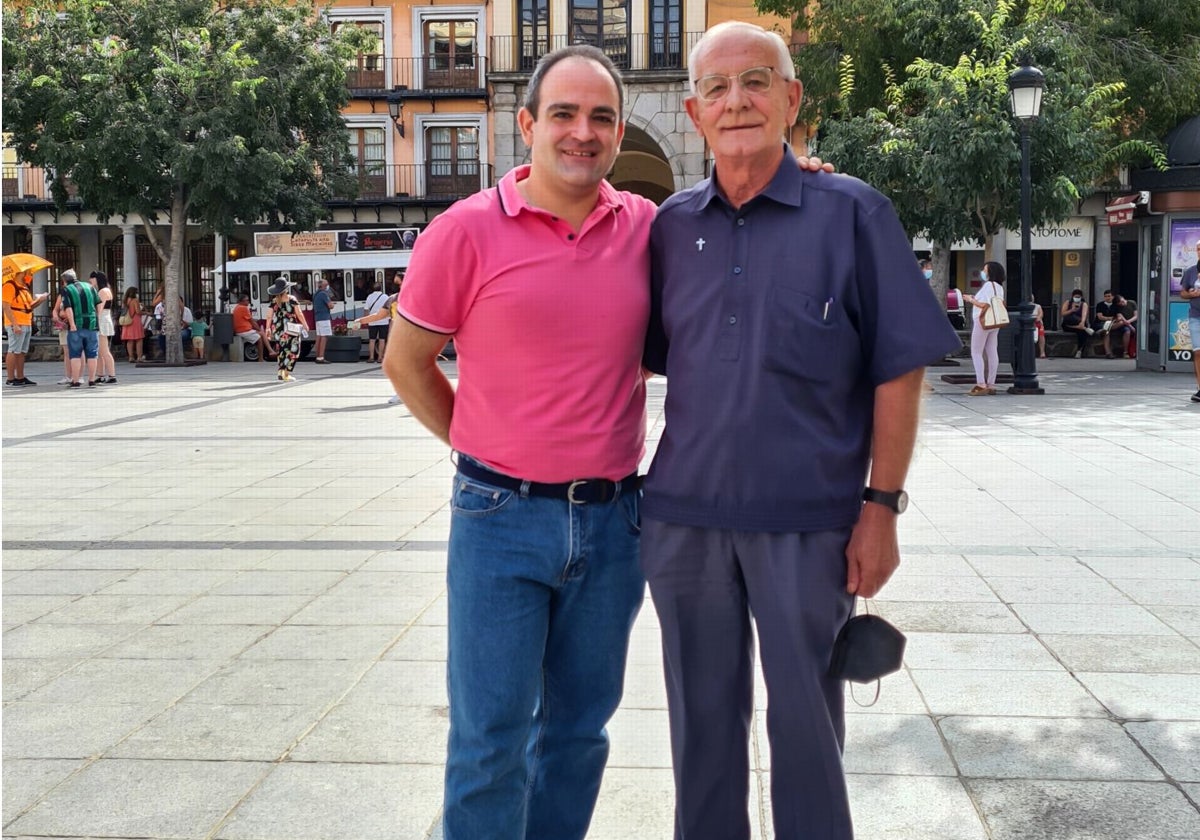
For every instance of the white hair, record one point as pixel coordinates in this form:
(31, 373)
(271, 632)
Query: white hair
(783, 59)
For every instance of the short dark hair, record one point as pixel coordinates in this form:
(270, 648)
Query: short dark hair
(1108, 291)
(243, 297)
(546, 63)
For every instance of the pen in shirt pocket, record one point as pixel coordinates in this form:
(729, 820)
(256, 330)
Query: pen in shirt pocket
(825, 314)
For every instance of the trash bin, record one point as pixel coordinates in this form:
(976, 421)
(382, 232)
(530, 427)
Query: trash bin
(222, 332)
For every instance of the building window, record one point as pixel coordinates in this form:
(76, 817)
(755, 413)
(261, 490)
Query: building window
(603, 24)
(666, 34)
(535, 32)
(450, 50)
(367, 145)
(451, 160)
(365, 71)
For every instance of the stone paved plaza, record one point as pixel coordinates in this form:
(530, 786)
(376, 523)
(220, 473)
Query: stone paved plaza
(224, 610)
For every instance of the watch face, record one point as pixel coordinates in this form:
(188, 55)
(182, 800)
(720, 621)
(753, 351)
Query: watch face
(901, 502)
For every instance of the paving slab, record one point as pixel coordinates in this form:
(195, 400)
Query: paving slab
(161, 799)
(369, 733)
(1147, 696)
(1053, 810)
(261, 653)
(1174, 744)
(992, 692)
(309, 802)
(1125, 654)
(26, 780)
(1045, 748)
(195, 731)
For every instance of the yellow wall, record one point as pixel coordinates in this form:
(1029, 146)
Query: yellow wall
(720, 11)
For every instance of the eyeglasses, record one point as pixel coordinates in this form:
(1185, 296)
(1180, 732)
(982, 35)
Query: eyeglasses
(715, 86)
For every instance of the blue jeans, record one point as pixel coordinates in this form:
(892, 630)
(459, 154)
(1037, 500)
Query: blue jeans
(542, 597)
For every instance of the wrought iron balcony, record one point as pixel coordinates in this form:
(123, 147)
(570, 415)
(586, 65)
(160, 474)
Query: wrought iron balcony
(24, 183)
(460, 74)
(434, 181)
(441, 181)
(636, 51)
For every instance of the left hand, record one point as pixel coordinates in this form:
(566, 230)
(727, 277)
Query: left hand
(813, 164)
(873, 553)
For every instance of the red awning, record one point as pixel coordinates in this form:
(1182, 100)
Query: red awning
(1120, 209)
(1123, 202)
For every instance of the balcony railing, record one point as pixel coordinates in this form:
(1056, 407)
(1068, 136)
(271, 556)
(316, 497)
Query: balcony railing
(439, 181)
(638, 51)
(443, 181)
(28, 183)
(461, 73)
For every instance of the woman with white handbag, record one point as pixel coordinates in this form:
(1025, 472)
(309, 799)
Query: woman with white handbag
(985, 333)
(287, 328)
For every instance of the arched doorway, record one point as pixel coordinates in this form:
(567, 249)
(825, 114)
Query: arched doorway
(642, 167)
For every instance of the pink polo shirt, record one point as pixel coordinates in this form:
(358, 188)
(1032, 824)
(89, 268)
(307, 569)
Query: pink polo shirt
(549, 327)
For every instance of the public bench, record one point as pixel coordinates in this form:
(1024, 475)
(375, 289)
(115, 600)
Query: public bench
(1059, 344)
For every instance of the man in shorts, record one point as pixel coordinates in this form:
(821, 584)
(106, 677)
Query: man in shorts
(19, 303)
(323, 317)
(245, 328)
(80, 302)
(378, 311)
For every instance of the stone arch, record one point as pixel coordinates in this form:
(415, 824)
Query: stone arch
(643, 167)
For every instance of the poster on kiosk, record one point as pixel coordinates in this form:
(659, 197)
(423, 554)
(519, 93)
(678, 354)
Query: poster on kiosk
(1185, 234)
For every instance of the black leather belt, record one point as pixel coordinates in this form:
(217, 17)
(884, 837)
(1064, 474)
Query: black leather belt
(582, 491)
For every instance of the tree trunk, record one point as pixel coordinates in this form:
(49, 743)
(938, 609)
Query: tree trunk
(940, 256)
(172, 309)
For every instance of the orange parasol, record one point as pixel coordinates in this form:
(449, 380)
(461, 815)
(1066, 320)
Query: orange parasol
(15, 264)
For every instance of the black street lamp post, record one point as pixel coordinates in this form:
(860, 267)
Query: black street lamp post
(1025, 95)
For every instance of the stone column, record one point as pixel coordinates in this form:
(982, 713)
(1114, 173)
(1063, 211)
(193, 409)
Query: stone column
(1102, 256)
(221, 280)
(41, 280)
(129, 257)
(509, 152)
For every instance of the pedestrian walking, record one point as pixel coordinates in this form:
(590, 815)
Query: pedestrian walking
(287, 328)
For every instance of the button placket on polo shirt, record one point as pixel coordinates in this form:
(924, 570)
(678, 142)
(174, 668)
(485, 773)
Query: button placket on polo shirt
(733, 302)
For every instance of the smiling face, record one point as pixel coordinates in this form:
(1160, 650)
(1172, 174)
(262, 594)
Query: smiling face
(743, 125)
(575, 137)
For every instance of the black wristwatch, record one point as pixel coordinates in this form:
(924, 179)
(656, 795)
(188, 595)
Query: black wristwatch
(896, 502)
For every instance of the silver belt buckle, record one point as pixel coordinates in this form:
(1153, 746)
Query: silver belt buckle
(571, 491)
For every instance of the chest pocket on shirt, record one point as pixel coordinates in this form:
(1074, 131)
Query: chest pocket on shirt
(807, 340)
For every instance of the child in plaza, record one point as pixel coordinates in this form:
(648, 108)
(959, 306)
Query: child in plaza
(199, 327)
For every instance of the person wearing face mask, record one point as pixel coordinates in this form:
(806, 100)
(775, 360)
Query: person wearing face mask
(1074, 314)
(985, 344)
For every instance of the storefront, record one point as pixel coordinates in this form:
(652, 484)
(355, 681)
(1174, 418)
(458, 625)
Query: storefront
(1168, 248)
(1062, 261)
(1168, 232)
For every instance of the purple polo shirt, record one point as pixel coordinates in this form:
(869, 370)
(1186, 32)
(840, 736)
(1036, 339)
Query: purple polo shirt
(774, 323)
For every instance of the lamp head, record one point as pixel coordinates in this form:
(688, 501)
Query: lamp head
(1025, 85)
(396, 109)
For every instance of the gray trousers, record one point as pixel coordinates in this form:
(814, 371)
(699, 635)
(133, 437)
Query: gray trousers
(707, 585)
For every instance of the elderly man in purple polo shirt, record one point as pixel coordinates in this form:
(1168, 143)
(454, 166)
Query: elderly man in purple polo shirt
(793, 325)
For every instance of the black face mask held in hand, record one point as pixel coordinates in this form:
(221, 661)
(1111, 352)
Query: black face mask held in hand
(866, 649)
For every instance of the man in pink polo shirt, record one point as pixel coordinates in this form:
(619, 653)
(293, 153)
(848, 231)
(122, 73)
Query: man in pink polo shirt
(544, 283)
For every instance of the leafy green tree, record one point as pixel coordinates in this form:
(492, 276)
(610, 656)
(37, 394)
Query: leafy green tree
(1153, 46)
(941, 140)
(190, 110)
